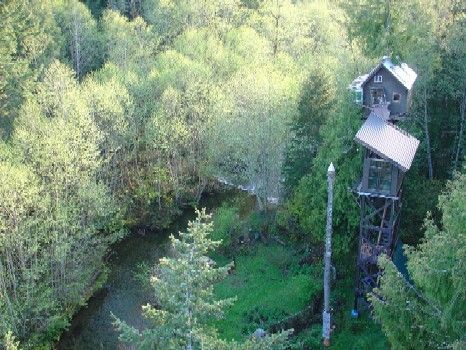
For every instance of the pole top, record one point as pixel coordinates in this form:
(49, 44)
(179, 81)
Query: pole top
(331, 169)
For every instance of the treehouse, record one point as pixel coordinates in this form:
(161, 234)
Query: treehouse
(386, 90)
(388, 153)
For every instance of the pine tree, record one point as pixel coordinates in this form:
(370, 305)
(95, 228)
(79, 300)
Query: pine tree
(183, 285)
(429, 313)
(315, 105)
(305, 211)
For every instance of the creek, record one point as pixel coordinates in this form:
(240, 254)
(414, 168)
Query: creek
(91, 327)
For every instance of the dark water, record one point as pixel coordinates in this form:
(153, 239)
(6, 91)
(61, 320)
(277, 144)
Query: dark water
(91, 327)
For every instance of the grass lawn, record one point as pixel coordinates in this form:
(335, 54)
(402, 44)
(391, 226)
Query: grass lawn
(355, 334)
(350, 334)
(269, 285)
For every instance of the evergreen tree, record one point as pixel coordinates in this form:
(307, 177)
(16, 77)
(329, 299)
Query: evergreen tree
(429, 313)
(305, 210)
(183, 286)
(316, 103)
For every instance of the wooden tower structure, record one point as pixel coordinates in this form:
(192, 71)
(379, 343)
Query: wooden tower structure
(388, 152)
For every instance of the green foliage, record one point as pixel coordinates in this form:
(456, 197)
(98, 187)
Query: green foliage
(171, 94)
(96, 6)
(269, 286)
(420, 196)
(10, 342)
(29, 39)
(187, 303)
(430, 312)
(278, 341)
(226, 224)
(264, 101)
(128, 42)
(307, 207)
(172, 17)
(183, 286)
(361, 333)
(55, 211)
(79, 29)
(315, 105)
(389, 27)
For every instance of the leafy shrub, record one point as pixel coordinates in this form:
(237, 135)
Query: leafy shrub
(226, 224)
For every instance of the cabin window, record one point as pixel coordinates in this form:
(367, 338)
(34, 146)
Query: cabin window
(358, 96)
(380, 176)
(396, 97)
(377, 79)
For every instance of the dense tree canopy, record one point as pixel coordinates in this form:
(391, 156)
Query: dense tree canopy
(115, 114)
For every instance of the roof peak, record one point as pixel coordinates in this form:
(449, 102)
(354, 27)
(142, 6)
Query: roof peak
(402, 72)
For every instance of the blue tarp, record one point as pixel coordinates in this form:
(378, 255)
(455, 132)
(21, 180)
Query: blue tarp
(400, 260)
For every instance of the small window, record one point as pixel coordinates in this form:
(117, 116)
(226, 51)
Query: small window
(379, 179)
(377, 79)
(358, 96)
(396, 97)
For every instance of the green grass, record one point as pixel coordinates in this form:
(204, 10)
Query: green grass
(362, 333)
(355, 334)
(269, 285)
(359, 334)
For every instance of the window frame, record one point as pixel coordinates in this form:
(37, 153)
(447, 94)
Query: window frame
(358, 96)
(382, 173)
(399, 97)
(378, 79)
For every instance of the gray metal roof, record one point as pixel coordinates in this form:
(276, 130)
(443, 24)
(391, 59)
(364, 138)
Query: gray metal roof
(357, 83)
(387, 141)
(403, 73)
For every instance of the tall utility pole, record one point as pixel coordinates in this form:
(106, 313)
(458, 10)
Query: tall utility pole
(327, 257)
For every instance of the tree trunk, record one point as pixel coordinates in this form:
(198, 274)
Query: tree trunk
(427, 135)
(76, 43)
(460, 132)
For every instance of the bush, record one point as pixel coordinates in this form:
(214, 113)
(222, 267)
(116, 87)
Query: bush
(226, 224)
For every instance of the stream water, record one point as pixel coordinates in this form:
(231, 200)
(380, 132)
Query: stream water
(122, 295)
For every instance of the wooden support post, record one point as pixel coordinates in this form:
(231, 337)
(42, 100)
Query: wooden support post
(381, 224)
(327, 258)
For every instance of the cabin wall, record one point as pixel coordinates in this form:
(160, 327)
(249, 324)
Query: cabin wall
(390, 85)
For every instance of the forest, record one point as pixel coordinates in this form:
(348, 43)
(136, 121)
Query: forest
(172, 155)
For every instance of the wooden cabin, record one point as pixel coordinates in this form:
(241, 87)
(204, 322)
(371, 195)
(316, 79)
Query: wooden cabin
(388, 154)
(386, 89)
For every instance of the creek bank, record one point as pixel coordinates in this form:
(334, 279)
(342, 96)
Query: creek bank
(122, 294)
